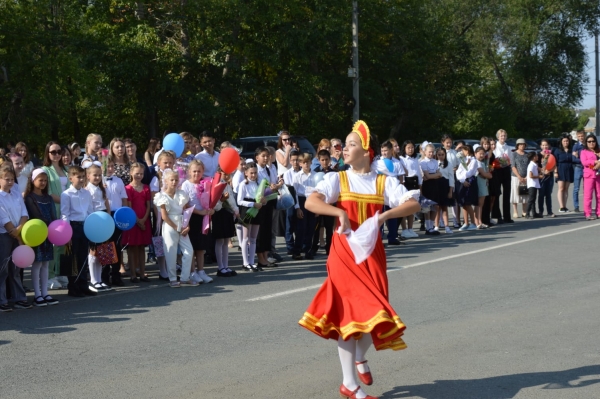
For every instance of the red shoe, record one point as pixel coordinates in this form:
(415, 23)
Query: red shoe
(366, 378)
(346, 393)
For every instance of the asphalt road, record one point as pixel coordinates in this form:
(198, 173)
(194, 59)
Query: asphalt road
(509, 312)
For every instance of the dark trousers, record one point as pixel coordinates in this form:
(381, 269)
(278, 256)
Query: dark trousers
(392, 226)
(80, 246)
(11, 287)
(531, 201)
(305, 228)
(290, 228)
(485, 211)
(505, 183)
(577, 179)
(546, 187)
(327, 222)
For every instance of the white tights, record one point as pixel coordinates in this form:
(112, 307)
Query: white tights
(95, 269)
(350, 352)
(222, 252)
(238, 233)
(248, 244)
(39, 277)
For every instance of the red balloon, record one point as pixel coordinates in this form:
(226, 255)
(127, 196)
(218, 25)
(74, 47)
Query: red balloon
(551, 163)
(229, 159)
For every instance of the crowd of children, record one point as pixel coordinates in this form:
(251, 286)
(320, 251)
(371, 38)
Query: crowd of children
(181, 229)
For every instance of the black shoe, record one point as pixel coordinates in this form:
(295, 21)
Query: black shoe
(5, 308)
(88, 292)
(23, 305)
(118, 282)
(50, 301)
(163, 278)
(223, 274)
(297, 257)
(576, 209)
(39, 301)
(538, 216)
(233, 273)
(249, 268)
(309, 256)
(508, 221)
(290, 252)
(277, 257)
(394, 242)
(500, 221)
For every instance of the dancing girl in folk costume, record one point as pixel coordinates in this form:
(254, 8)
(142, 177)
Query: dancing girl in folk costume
(352, 305)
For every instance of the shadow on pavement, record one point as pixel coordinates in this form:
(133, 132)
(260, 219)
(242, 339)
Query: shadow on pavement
(499, 387)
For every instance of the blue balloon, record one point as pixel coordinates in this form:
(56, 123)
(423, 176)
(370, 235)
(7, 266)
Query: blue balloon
(174, 142)
(99, 227)
(389, 165)
(125, 218)
(318, 177)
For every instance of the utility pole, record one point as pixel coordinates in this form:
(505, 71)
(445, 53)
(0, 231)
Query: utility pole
(597, 84)
(356, 112)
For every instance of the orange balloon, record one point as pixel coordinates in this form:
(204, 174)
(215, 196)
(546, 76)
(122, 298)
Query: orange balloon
(229, 159)
(551, 163)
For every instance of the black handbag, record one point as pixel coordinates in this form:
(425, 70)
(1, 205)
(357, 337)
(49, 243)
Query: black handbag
(523, 190)
(68, 263)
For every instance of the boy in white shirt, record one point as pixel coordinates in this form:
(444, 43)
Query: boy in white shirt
(13, 215)
(293, 212)
(533, 185)
(75, 206)
(304, 184)
(117, 198)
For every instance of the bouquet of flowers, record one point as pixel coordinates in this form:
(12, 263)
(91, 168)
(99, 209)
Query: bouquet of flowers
(504, 160)
(203, 195)
(264, 191)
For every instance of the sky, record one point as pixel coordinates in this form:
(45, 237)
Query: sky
(589, 100)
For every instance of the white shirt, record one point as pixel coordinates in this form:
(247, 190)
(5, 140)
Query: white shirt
(448, 173)
(304, 183)
(75, 205)
(502, 150)
(394, 192)
(247, 191)
(237, 178)
(271, 176)
(412, 167)
(288, 176)
(281, 168)
(192, 191)
(230, 200)
(429, 165)
(482, 165)
(115, 192)
(98, 202)
(12, 208)
(463, 173)
(211, 162)
(532, 168)
(22, 182)
(452, 158)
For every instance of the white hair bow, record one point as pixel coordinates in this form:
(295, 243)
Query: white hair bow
(89, 163)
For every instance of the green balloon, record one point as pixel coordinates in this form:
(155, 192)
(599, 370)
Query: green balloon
(34, 232)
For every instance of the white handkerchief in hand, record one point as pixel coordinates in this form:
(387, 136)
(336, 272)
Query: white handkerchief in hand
(362, 241)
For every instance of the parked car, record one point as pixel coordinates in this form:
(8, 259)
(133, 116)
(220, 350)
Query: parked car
(248, 145)
(553, 141)
(470, 142)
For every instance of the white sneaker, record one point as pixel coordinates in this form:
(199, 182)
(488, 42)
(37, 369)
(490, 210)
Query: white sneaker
(464, 227)
(436, 228)
(405, 234)
(204, 277)
(494, 221)
(271, 260)
(472, 227)
(412, 234)
(449, 230)
(195, 277)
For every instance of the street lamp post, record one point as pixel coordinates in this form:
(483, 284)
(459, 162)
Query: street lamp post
(597, 84)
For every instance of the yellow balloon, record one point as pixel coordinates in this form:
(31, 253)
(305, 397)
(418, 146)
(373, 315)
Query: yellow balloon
(34, 232)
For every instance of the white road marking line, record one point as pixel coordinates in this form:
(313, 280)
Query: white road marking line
(394, 269)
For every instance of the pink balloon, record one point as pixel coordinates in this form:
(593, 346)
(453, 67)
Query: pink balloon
(23, 256)
(59, 232)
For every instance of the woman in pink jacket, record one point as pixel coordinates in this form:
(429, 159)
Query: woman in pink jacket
(591, 178)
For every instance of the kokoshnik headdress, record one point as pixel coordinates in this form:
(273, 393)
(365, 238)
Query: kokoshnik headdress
(361, 128)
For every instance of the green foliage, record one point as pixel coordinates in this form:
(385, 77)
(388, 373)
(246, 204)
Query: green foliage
(240, 67)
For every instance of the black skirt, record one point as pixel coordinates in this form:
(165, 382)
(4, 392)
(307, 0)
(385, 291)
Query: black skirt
(411, 183)
(495, 186)
(223, 225)
(244, 209)
(431, 190)
(444, 187)
(467, 195)
(265, 232)
(200, 242)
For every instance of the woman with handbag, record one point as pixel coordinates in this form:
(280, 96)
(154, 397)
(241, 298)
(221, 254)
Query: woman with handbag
(518, 187)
